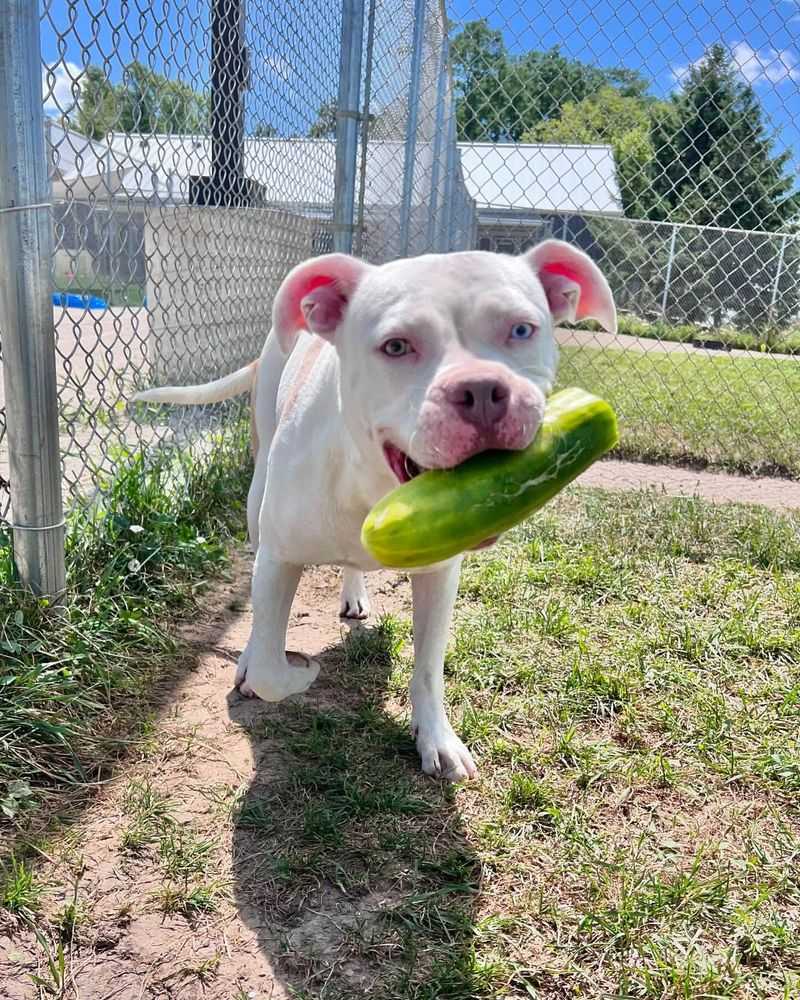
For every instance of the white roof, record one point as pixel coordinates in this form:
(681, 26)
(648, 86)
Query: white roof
(87, 168)
(290, 171)
(521, 177)
(541, 177)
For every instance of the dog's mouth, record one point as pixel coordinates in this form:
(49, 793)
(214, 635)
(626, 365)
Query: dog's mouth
(402, 465)
(405, 469)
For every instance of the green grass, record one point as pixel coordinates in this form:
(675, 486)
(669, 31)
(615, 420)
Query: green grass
(74, 682)
(150, 814)
(626, 670)
(20, 892)
(734, 413)
(184, 859)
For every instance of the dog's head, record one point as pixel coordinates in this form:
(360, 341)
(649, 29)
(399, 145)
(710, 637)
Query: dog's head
(443, 356)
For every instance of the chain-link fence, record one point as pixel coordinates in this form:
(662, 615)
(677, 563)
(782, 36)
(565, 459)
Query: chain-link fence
(196, 152)
(663, 140)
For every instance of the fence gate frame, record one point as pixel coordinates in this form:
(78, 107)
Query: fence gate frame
(26, 307)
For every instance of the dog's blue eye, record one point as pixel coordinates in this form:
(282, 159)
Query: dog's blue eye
(522, 331)
(396, 347)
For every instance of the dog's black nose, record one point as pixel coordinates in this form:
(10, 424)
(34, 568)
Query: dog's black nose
(480, 400)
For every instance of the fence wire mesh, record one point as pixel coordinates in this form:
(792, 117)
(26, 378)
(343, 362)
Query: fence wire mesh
(193, 163)
(193, 160)
(662, 139)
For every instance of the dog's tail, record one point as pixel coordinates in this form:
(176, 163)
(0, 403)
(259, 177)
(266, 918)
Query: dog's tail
(210, 392)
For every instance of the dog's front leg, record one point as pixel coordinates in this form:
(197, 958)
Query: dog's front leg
(264, 669)
(354, 602)
(442, 752)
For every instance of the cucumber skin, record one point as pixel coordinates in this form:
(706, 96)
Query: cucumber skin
(441, 513)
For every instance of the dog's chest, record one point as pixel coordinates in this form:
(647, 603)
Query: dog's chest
(314, 512)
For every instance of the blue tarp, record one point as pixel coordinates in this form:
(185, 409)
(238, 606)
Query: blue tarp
(73, 301)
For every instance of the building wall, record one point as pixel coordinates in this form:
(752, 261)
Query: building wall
(514, 232)
(212, 274)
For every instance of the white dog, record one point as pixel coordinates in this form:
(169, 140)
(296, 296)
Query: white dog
(369, 375)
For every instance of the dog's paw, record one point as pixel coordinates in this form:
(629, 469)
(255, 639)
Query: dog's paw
(241, 667)
(354, 603)
(354, 610)
(276, 681)
(442, 753)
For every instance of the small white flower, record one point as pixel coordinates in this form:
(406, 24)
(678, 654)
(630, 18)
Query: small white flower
(136, 529)
(134, 566)
(200, 540)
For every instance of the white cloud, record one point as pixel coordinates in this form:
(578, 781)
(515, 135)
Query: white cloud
(278, 66)
(60, 86)
(756, 66)
(765, 65)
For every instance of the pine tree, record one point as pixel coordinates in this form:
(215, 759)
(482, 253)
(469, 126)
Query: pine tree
(715, 166)
(715, 163)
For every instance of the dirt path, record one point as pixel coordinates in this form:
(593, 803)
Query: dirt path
(648, 345)
(718, 487)
(210, 752)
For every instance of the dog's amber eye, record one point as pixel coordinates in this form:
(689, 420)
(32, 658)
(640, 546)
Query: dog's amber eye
(522, 331)
(396, 347)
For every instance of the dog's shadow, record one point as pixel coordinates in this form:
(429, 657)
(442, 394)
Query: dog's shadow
(351, 868)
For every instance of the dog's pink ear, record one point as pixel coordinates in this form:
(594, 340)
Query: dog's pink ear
(314, 296)
(573, 283)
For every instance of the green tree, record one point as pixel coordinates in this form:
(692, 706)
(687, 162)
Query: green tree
(143, 101)
(264, 130)
(715, 161)
(625, 122)
(325, 125)
(716, 166)
(95, 112)
(501, 96)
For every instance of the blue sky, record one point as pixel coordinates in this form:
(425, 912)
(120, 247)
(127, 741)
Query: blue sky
(294, 65)
(660, 38)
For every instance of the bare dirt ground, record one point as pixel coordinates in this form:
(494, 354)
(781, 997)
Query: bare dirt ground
(212, 751)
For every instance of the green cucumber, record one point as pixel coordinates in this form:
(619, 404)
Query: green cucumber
(442, 512)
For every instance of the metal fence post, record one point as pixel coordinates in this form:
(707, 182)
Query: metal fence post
(366, 120)
(226, 185)
(26, 308)
(776, 284)
(450, 162)
(668, 275)
(438, 139)
(347, 117)
(452, 221)
(228, 80)
(409, 159)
